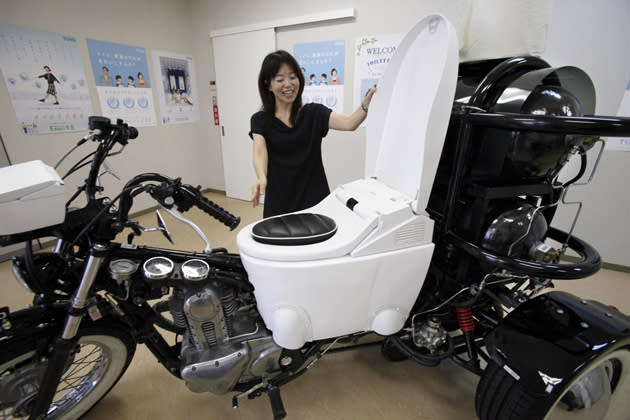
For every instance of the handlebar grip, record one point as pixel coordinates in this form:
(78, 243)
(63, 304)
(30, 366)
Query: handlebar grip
(133, 132)
(218, 212)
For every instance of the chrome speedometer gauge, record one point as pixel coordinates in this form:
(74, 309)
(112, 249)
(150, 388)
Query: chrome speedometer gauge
(157, 268)
(195, 269)
(122, 269)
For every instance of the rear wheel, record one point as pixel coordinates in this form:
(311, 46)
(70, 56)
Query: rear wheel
(598, 392)
(99, 359)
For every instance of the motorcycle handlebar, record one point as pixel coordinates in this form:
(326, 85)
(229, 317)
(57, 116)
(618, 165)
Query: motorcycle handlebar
(590, 264)
(130, 132)
(120, 131)
(593, 126)
(218, 212)
(171, 192)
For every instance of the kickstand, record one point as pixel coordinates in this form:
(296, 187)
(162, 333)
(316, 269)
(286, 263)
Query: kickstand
(273, 392)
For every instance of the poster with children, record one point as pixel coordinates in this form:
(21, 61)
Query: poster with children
(177, 87)
(123, 83)
(322, 64)
(372, 54)
(45, 80)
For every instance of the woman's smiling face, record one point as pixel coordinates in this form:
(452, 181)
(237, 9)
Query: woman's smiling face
(285, 85)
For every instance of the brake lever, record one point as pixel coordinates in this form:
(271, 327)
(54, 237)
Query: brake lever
(178, 216)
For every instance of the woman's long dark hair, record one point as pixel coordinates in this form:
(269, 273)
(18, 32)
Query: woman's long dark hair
(270, 67)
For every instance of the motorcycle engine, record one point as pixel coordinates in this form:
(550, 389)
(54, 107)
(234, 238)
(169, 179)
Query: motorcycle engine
(225, 342)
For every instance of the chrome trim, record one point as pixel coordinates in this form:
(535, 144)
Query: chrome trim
(178, 216)
(80, 297)
(192, 277)
(153, 276)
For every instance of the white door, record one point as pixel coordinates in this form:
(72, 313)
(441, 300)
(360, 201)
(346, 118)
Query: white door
(237, 60)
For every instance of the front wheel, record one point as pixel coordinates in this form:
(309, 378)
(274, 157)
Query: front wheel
(99, 359)
(598, 391)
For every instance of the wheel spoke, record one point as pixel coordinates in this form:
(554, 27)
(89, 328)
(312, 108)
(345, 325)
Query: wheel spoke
(79, 363)
(93, 367)
(78, 374)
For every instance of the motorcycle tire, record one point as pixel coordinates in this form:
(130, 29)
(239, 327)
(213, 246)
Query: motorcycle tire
(598, 390)
(100, 358)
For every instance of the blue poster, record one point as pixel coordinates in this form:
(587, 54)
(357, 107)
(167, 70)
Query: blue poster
(45, 79)
(121, 74)
(322, 64)
(118, 64)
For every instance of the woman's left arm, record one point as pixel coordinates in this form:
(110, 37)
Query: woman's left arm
(351, 122)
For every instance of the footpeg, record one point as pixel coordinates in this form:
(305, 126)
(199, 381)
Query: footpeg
(276, 402)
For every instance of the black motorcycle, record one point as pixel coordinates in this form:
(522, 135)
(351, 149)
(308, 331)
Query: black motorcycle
(539, 356)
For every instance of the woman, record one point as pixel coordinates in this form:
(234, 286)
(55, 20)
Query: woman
(334, 79)
(51, 79)
(141, 82)
(288, 136)
(105, 79)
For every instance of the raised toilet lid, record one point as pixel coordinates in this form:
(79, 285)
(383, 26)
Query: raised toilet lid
(409, 114)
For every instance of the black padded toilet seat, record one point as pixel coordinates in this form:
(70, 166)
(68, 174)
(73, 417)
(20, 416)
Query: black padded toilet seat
(294, 229)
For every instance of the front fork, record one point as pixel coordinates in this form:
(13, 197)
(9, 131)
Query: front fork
(65, 343)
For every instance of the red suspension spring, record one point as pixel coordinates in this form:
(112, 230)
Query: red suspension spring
(465, 319)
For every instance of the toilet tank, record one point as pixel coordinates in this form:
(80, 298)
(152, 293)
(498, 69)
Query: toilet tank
(32, 196)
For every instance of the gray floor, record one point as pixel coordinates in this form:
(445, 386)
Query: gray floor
(357, 385)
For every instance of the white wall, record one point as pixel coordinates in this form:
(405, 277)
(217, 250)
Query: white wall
(344, 152)
(594, 36)
(176, 150)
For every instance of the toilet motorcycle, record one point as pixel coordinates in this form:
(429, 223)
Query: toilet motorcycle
(444, 251)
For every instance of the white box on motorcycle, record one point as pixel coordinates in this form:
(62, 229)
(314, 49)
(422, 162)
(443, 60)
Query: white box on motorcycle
(32, 196)
(367, 276)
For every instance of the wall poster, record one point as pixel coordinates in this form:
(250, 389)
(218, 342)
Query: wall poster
(122, 80)
(177, 88)
(45, 79)
(323, 65)
(372, 54)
